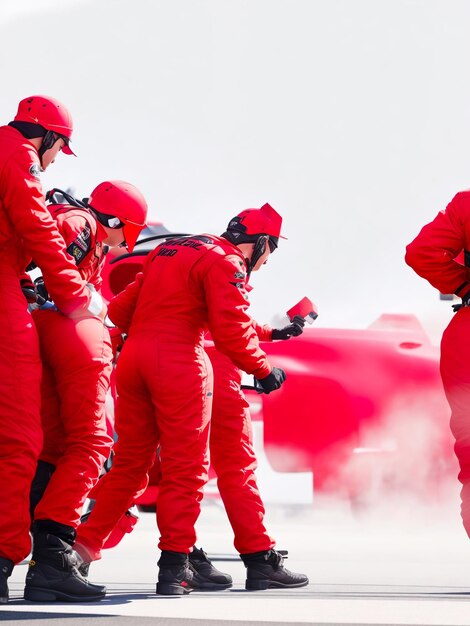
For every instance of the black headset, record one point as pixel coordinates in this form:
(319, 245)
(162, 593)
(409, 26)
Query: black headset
(49, 140)
(258, 251)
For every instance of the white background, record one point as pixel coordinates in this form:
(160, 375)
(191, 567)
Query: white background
(351, 117)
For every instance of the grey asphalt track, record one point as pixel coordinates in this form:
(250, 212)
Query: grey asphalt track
(399, 563)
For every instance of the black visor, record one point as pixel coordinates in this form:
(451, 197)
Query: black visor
(107, 220)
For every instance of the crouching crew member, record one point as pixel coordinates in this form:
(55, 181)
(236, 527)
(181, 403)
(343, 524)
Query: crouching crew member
(77, 361)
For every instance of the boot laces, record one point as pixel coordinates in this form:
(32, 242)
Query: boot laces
(199, 555)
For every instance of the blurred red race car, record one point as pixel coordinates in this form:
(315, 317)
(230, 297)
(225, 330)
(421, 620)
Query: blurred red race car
(361, 411)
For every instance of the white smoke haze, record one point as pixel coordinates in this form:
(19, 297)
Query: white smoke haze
(401, 465)
(408, 456)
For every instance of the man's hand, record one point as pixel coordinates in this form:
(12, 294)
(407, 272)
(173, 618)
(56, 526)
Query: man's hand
(294, 329)
(272, 381)
(103, 313)
(97, 307)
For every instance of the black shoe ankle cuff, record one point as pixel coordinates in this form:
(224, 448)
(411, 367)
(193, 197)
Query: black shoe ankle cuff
(256, 556)
(48, 526)
(168, 558)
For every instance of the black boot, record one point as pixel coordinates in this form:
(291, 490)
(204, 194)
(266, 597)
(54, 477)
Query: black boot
(206, 576)
(6, 568)
(265, 570)
(53, 573)
(175, 577)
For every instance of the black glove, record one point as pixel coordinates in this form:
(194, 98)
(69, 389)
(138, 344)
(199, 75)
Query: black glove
(465, 302)
(30, 294)
(41, 290)
(30, 291)
(271, 382)
(294, 329)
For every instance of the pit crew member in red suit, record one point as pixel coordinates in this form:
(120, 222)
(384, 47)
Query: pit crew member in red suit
(164, 379)
(433, 255)
(77, 361)
(234, 461)
(41, 129)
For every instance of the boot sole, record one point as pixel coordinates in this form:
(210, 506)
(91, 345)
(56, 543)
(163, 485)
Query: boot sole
(212, 587)
(47, 595)
(262, 585)
(172, 589)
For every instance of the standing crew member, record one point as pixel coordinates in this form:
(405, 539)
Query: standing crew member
(164, 382)
(77, 361)
(28, 145)
(234, 461)
(433, 256)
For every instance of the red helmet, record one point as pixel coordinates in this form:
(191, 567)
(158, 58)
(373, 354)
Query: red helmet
(118, 204)
(264, 221)
(49, 113)
(250, 224)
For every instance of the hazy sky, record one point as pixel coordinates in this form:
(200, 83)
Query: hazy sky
(351, 117)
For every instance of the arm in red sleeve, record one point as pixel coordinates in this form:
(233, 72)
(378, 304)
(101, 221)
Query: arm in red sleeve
(432, 253)
(23, 200)
(79, 233)
(122, 307)
(230, 325)
(78, 236)
(265, 332)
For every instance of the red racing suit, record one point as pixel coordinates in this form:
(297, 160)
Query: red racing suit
(77, 362)
(164, 382)
(432, 255)
(27, 230)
